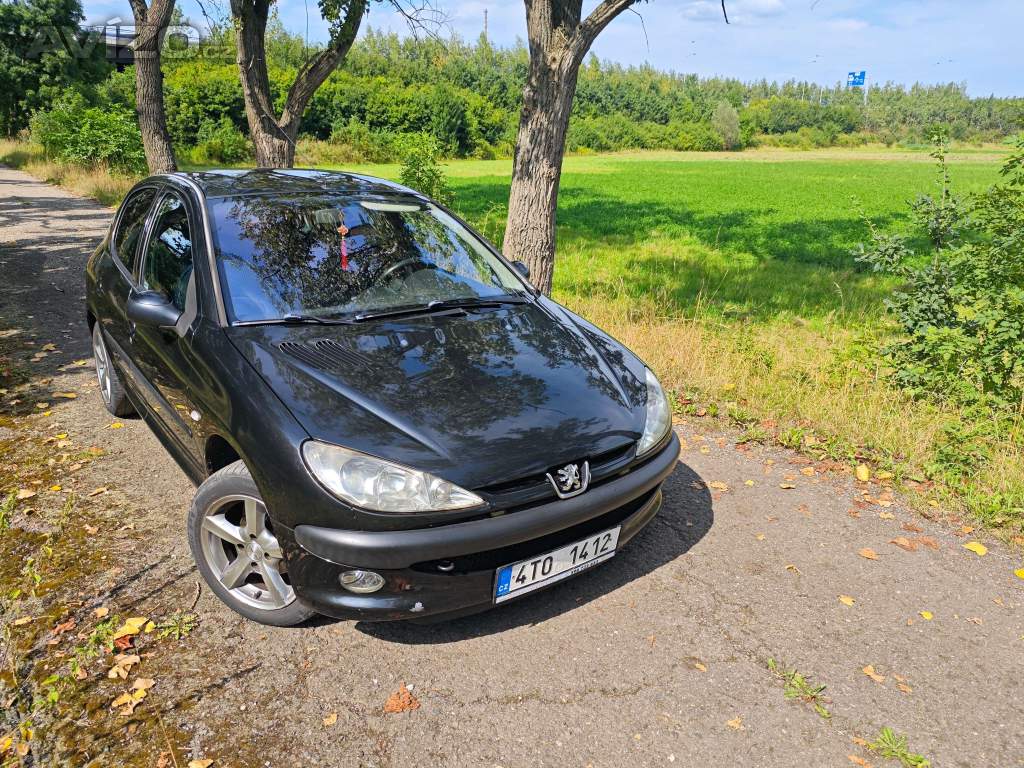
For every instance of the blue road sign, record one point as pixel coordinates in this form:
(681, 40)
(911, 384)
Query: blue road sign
(855, 78)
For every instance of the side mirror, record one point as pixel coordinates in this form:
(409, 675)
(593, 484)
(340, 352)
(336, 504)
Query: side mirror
(153, 309)
(522, 269)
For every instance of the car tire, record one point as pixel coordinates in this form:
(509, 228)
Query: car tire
(115, 399)
(233, 545)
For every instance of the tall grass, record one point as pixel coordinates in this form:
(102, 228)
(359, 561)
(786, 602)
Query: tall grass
(98, 182)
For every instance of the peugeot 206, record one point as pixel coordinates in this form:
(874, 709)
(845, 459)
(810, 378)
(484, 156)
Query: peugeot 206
(383, 418)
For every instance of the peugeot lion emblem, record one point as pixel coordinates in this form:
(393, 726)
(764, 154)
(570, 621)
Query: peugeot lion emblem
(570, 480)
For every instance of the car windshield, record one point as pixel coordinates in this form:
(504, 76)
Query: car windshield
(322, 256)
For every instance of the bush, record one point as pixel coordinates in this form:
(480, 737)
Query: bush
(961, 308)
(73, 132)
(726, 121)
(221, 143)
(698, 137)
(420, 169)
(358, 144)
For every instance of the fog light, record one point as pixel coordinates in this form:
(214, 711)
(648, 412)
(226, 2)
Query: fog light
(361, 582)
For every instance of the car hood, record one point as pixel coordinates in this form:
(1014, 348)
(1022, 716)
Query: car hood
(478, 397)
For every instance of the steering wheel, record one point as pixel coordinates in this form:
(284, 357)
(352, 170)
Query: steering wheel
(389, 273)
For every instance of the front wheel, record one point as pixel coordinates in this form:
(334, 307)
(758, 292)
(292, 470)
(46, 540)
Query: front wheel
(233, 543)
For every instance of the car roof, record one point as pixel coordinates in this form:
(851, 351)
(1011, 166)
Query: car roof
(289, 181)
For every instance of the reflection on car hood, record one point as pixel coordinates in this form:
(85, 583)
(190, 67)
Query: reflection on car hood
(477, 398)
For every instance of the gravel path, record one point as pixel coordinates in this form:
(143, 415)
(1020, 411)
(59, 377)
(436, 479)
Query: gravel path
(658, 657)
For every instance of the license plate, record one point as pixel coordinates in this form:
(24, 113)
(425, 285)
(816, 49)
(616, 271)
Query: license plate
(527, 575)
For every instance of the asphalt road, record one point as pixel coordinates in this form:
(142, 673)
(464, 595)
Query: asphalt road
(657, 657)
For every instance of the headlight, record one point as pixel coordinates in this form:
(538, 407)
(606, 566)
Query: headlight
(379, 485)
(659, 419)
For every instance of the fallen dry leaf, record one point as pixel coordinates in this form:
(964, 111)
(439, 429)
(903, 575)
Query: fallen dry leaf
(870, 554)
(98, 491)
(786, 486)
(886, 515)
(736, 723)
(976, 547)
(718, 485)
(66, 395)
(760, 537)
(859, 741)
(25, 493)
(131, 626)
(863, 473)
(904, 543)
(123, 663)
(846, 600)
(1019, 573)
(748, 483)
(807, 471)
(330, 720)
(975, 620)
(117, 425)
(401, 700)
(904, 688)
(204, 763)
(101, 612)
(22, 621)
(859, 761)
(65, 626)
(911, 528)
(928, 541)
(143, 683)
(869, 670)
(926, 615)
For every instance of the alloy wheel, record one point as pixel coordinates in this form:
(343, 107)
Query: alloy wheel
(102, 359)
(240, 548)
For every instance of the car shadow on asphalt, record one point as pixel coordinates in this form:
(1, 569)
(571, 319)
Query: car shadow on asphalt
(685, 518)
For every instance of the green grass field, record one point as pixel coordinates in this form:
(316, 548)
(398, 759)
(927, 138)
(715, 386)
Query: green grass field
(731, 275)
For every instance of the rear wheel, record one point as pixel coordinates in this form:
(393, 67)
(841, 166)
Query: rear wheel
(111, 390)
(233, 543)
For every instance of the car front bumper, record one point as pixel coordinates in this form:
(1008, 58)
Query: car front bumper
(450, 569)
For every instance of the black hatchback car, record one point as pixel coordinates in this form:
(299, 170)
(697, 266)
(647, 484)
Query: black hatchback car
(384, 419)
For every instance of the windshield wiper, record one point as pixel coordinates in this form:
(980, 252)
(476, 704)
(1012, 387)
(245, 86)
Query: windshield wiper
(442, 305)
(292, 319)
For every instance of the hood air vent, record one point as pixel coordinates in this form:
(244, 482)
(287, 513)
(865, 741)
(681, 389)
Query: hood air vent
(325, 354)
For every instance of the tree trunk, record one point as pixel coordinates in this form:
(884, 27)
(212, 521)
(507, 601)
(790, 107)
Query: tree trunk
(559, 39)
(275, 146)
(274, 137)
(149, 84)
(537, 167)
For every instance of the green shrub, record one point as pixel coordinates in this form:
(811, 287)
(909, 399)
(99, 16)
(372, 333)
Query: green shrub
(726, 122)
(698, 137)
(421, 170)
(359, 144)
(76, 133)
(221, 143)
(961, 308)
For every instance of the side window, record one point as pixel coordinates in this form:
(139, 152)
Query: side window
(168, 265)
(129, 228)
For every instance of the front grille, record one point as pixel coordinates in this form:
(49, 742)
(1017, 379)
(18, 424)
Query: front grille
(534, 488)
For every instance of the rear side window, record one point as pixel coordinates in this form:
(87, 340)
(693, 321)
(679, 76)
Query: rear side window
(168, 266)
(129, 228)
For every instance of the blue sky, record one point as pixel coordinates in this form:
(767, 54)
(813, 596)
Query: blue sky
(976, 42)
